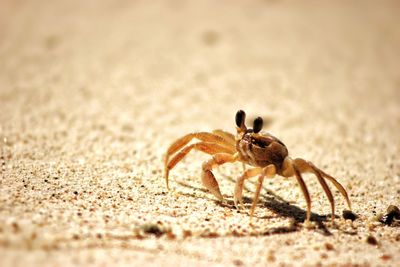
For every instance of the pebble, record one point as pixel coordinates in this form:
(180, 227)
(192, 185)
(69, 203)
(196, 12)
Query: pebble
(329, 246)
(372, 240)
(349, 215)
(152, 229)
(391, 217)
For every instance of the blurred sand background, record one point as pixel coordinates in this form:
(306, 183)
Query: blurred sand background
(93, 92)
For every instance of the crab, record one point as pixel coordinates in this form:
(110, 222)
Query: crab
(266, 155)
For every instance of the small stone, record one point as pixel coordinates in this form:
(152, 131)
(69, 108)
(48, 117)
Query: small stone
(397, 237)
(395, 211)
(329, 246)
(392, 216)
(238, 262)
(271, 256)
(170, 235)
(386, 257)
(187, 233)
(289, 242)
(209, 234)
(15, 227)
(236, 233)
(372, 240)
(153, 229)
(349, 215)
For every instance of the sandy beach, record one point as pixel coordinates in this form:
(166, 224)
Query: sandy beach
(92, 93)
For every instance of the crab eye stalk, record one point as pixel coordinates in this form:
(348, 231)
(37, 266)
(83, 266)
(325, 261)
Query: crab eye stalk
(240, 118)
(257, 124)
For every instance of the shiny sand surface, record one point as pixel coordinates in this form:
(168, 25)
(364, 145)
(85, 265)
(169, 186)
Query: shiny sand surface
(93, 92)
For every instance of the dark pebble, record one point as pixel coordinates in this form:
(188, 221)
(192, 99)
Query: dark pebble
(392, 213)
(238, 262)
(349, 215)
(372, 240)
(153, 229)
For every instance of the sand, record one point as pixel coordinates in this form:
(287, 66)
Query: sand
(93, 92)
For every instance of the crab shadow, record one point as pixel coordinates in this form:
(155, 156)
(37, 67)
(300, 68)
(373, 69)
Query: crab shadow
(274, 203)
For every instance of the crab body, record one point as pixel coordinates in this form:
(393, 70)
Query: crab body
(261, 150)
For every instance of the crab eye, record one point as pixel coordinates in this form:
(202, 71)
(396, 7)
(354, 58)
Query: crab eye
(240, 117)
(257, 124)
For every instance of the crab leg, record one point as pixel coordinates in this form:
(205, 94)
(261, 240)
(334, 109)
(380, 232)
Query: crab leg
(290, 168)
(327, 176)
(227, 136)
(209, 148)
(202, 136)
(328, 192)
(208, 178)
(238, 193)
(269, 171)
(305, 166)
(304, 189)
(256, 195)
(337, 185)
